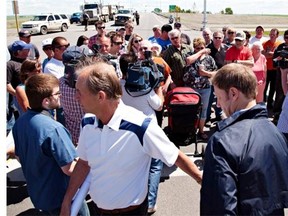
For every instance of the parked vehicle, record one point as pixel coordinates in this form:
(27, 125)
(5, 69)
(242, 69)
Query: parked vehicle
(47, 23)
(75, 17)
(122, 16)
(97, 12)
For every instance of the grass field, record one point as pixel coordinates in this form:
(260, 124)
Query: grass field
(11, 21)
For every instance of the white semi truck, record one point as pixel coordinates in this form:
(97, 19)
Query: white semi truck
(99, 12)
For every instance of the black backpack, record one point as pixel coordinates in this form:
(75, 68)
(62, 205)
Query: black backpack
(142, 77)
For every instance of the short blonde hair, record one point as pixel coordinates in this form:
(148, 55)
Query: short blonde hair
(198, 41)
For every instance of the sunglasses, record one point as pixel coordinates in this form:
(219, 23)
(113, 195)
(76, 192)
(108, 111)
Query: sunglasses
(219, 38)
(117, 43)
(143, 48)
(66, 46)
(174, 38)
(137, 41)
(286, 37)
(47, 48)
(238, 40)
(102, 27)
(231, 32)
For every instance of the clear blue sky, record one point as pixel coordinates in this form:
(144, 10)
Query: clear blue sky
(30, 7)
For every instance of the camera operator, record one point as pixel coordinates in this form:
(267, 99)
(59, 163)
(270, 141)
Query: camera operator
(280, 59)
(103, 50)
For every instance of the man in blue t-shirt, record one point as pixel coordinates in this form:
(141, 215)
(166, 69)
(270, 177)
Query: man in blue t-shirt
(44, 146)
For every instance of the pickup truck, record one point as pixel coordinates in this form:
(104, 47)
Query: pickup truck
(47, 23)
(122, 16)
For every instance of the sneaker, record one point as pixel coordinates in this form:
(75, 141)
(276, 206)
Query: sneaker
(152, 209)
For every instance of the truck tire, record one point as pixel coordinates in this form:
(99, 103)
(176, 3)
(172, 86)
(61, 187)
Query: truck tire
(43, 30)
(64, 27)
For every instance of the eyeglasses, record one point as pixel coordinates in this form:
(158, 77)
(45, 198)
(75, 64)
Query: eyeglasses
(137, 41)
(174, 38)
(143, 48)
(231, 32)
(117, 43)
(56, 94)
(101, 27)
(47, 48)
(66, 46)
(217, 38)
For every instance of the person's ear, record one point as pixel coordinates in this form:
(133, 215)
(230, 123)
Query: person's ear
(45, 103)
(233, 93)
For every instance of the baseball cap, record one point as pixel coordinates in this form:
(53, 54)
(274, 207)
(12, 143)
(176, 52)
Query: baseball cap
(177, 24)
(240, 35)
(260, 27)
(72, 54)
(47, 42)
(20, 45)
(24, 33)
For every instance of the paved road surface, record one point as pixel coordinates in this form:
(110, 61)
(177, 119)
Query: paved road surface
(178, 193)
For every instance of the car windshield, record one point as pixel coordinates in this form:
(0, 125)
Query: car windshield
(90, 6)
(123, 11)
(39, 18)
(76, 14)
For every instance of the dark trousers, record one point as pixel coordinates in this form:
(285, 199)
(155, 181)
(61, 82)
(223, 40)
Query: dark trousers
(140, 211)
(279, 98)
(270, 80)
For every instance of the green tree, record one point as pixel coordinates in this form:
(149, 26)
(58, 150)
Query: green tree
(228, 10)
(177, 9)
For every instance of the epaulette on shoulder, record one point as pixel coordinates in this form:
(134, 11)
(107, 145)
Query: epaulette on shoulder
(87, 120)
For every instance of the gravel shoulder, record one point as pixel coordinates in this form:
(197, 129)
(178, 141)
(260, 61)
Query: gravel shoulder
(244, 22)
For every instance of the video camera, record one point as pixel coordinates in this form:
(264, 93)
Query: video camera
(107, 58)
(283, 63)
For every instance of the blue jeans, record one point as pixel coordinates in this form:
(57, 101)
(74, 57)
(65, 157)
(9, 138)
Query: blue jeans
(205, 95)
(153, 181)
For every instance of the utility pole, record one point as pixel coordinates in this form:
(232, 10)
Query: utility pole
(16, 12)
(204, 15)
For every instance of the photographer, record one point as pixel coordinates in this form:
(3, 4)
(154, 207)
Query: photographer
(280, 59)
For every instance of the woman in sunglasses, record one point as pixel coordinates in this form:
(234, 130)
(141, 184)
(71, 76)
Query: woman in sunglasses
(134, 44)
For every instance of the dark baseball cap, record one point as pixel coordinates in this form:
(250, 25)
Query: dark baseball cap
(24, 33)
(20, 45)
(260, 27)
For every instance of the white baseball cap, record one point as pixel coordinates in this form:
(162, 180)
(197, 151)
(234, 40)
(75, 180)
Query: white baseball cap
(47, 41)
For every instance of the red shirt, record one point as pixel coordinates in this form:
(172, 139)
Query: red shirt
(244, 53)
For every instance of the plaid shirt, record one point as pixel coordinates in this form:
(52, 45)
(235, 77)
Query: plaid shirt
(73, 112)
(93, 40)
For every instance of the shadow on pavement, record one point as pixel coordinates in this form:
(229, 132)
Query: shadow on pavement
(16, 192)
(30, 212)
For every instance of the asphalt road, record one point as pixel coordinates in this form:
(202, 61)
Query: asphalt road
(178, 193)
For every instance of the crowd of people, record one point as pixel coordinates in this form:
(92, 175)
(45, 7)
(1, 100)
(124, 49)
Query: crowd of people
(70, 115)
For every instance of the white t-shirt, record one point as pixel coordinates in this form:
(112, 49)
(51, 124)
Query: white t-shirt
(55, 67)
(147, 103)
(119, 155)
